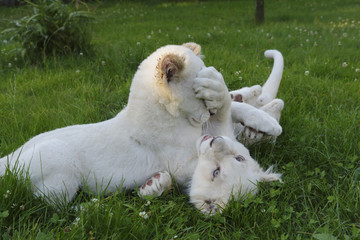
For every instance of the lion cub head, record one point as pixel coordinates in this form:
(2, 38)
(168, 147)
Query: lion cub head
(165, 80)
(225, 169)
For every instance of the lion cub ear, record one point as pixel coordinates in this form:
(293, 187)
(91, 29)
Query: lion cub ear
(170, 65)
(270, 176)
(196, 48)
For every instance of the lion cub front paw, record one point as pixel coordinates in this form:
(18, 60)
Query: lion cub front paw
(156, 185)
(246, 94)
(210, 86)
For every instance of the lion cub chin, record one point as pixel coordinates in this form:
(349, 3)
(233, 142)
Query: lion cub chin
(225, 169)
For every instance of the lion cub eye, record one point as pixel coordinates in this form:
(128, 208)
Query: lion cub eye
(216, 172)
(240, 158)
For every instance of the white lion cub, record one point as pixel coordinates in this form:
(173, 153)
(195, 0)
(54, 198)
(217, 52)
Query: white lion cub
(225, 169)
(174, 99)
(172, 95)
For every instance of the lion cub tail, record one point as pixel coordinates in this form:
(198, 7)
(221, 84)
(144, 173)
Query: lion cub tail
(271, 86)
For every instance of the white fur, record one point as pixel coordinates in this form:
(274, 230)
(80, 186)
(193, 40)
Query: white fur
(255, 111)
(171, 98)
(156, 131)
(211, 192)
(271, 86)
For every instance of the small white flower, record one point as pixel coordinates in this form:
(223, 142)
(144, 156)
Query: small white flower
(148, 203)
(22, 207)
(240, 78)
(9, 64)
(237, 73)
(208, 34)
(177, 28)
(8, 192)
(76, 221)
(5, 41)
(149, 36)
(357, 70)
(103, 63)
(78, 71)
(307, 73)
(138, 43)
(339, 43)
(94, 200)
(344, 64)
(6, 195)
(143, 215)
(81, 54)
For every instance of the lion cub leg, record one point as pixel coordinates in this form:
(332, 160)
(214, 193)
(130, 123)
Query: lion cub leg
(156, 185)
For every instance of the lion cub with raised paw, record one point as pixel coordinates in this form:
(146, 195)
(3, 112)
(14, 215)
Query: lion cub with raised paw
(225, 169)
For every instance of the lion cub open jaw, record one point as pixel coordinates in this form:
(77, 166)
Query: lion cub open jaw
(225, 168)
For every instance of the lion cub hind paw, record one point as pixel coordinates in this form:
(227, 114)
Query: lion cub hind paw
(156, 185)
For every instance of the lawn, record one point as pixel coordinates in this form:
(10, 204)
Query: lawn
(318, 152)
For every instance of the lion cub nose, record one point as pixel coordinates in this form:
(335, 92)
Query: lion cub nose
(218, 144)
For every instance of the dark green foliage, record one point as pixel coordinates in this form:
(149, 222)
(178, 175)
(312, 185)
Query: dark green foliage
(53, 28)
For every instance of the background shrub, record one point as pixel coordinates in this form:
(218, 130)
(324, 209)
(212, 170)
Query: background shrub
(54, 28)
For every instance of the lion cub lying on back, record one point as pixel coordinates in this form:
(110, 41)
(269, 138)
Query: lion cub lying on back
(225, 169)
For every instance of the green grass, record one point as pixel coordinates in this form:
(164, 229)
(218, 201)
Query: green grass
(318, 152)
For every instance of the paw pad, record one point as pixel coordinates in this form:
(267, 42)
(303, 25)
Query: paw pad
(236, 98)
(149, 183)
(156, 185)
